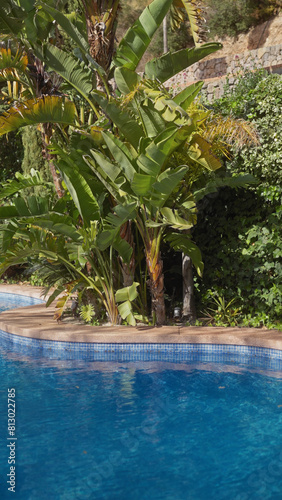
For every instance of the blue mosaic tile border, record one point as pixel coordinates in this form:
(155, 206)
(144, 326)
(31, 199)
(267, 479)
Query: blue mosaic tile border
(175, 353)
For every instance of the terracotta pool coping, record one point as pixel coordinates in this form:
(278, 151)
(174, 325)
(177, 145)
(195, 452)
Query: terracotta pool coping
(37, 322)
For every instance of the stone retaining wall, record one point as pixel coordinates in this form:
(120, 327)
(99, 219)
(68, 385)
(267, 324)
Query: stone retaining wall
(215, 70)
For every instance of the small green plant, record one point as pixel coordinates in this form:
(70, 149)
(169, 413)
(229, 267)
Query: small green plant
(87, 313)
(222, 312)
(36, 280)
(260, 320)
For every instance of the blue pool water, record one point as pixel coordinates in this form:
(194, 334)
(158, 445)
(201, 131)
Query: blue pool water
(197, 430)
(11, 300)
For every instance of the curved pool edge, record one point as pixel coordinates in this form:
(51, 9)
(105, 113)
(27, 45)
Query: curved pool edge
(36, 322)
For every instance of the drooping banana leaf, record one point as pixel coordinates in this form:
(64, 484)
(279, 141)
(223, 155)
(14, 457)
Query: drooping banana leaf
(236, 182)
(127, 295)
(174, 220)
(200, 151)
(48, 109)
(168, 65)
(182, 242)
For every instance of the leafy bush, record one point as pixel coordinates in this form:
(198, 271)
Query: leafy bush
(239, 232)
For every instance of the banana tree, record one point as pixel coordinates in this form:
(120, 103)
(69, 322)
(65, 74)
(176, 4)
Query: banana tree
(38, 230)
(139, 176)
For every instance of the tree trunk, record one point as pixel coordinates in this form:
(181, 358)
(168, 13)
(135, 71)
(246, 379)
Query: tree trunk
(189, 310)
(155, 269)
(128, 270)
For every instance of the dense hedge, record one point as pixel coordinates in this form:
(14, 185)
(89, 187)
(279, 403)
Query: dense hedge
(240, 232)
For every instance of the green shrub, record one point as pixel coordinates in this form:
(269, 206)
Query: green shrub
(240, 232)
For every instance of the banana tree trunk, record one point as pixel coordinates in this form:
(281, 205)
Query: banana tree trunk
(101, 23)
(128, 270)
(155, 270)
(189, 310)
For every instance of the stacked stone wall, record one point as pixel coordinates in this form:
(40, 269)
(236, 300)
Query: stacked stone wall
(214, 71)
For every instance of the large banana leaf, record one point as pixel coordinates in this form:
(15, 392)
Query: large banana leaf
(166, 183)
(25, 208)
(72, 70)
(113, 223)
(158, 151)
(121, 154)
(168, 65)
(187, 95)
(200, 151)
(48, 109)
(78, 187)
(127, 126)
(126, 79)
(152, 119)
(139, 36)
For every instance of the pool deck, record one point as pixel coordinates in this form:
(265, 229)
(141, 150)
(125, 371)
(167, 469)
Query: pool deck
(37, 322)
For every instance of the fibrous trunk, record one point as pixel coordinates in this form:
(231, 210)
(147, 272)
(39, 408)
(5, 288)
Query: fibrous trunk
(128, 270)
(189, 311)
(155, 269)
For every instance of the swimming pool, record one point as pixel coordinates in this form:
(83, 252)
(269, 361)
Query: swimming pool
(12, 300)
(198, 428)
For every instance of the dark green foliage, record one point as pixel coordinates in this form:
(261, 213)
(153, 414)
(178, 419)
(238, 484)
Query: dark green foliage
(11, 155)
(33, 157)
(240, 233)
(231, 18)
